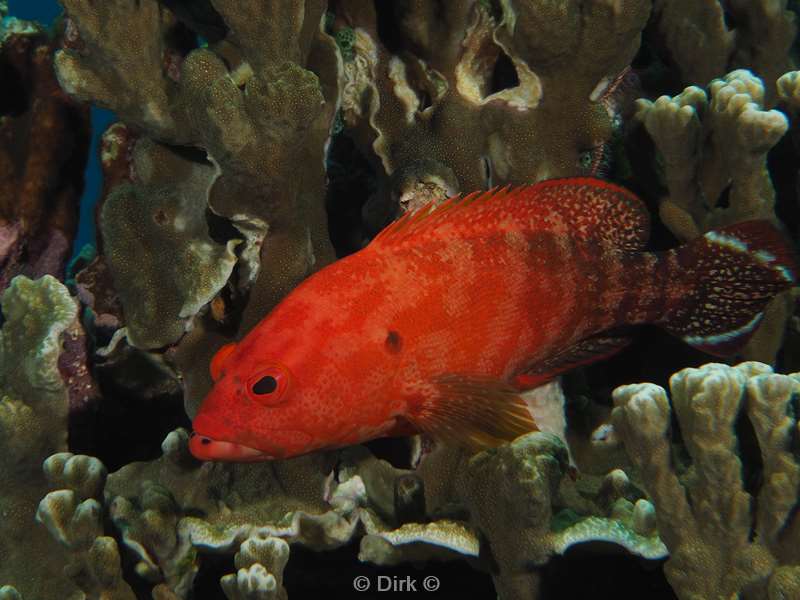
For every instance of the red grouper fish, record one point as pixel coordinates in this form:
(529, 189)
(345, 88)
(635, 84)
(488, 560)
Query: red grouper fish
(451, 311)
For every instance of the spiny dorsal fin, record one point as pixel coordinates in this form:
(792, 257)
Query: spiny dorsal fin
(583, 208)
(429, 216)
(473, 411)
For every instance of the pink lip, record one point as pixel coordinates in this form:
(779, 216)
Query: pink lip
(203, 447)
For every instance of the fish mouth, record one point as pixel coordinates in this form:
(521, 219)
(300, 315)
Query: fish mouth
(204, 447)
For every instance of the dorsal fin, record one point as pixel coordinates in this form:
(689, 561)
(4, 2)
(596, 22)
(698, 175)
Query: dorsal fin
(583, 208)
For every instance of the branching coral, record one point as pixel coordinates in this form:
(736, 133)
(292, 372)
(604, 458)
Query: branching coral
(174, 509)
(260, 560)
(33, 425)
(522, 83)
(519, 498)
(707, 39)
(161, 216)
(714, 156)
(74, 516)
(708, 146)
(213, 209)
(723, 540)
(260, 102)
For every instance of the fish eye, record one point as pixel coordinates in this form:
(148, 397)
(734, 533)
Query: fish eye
(268, 385)
(265, 385)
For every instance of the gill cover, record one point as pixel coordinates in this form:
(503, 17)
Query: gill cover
(219, 359)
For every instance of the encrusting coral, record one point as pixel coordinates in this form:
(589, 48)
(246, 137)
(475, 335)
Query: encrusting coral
(724, 539)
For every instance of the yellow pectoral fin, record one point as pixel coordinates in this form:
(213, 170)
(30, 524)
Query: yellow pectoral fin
(473, 411)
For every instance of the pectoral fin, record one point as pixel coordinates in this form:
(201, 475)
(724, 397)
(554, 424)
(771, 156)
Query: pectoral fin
(472, 411)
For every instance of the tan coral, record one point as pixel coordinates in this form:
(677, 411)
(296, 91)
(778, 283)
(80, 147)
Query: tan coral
(74, 517)
(405, 104)
(260, 563)
(718, 547)
(157, 217)
(704, 46)
(717, 144)
(710, 144)
(33, 424)
(101, 68)
(260, 102)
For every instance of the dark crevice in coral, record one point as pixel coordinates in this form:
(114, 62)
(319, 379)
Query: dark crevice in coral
(724, 200)
(606, 571)
(648, 184)
(495, 9)
(181, 39)
(125, 427)
(191, 153)
(351, 181)
(142, 589)
(335, 572)
(752, 464)
(425, 100)
(200, 16)
(220, 229)
(388, 31)
(782, 163)
(731, 22)
(396, 451)
(15, 99)
(487, 171)
(504, 74)
(409, 499)
(652, 63)
(212, 568)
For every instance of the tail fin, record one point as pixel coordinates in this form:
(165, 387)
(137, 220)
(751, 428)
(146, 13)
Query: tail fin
(732, 274)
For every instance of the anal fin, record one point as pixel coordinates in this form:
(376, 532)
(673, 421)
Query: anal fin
(582, 353)
(475, 412)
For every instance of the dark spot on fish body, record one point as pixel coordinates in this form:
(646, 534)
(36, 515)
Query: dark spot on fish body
(394, 342)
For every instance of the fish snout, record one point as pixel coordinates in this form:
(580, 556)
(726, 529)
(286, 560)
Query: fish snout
(205, 448)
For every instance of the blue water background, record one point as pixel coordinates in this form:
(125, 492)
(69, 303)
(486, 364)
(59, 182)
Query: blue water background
(45, 11)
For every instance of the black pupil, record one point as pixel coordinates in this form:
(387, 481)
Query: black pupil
(265, 385)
